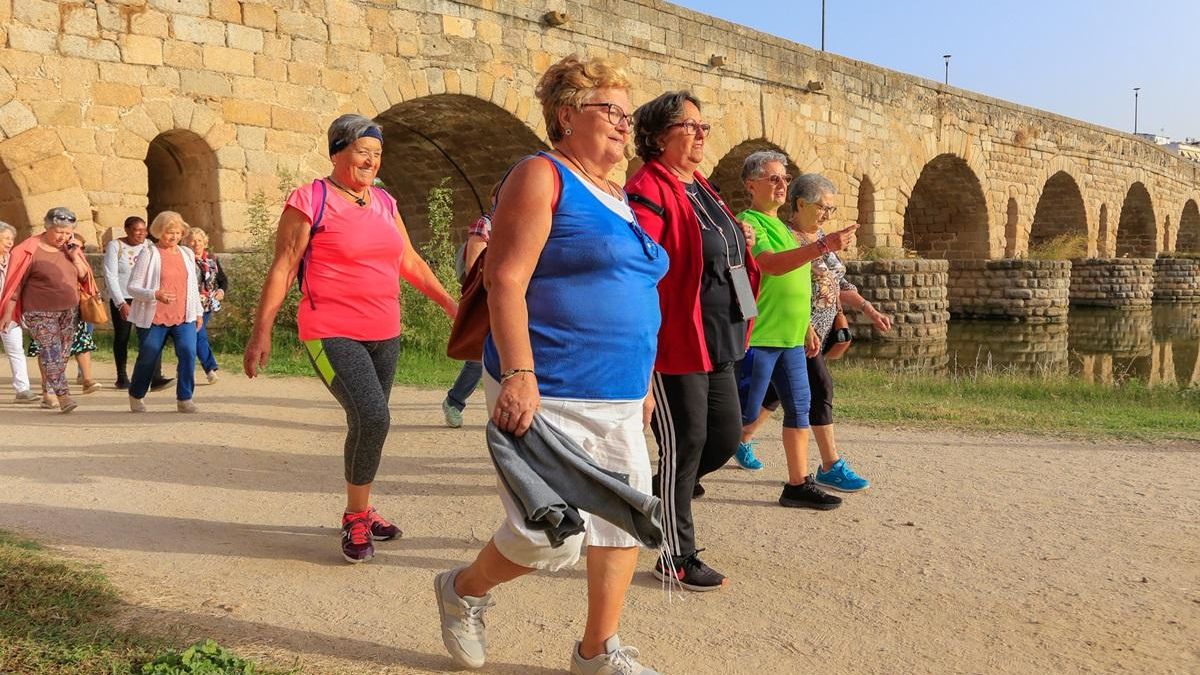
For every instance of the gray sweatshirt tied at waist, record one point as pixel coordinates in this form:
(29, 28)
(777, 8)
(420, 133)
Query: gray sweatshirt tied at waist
(553, 479)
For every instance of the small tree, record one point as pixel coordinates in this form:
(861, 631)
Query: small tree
(426, 326)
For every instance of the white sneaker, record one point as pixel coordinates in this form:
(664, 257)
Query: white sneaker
(136, 405)
(212, 376)
(617, 661)
(453, 415)
(186, 406)
(463, 630)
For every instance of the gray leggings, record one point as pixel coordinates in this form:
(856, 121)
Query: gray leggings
(359, 375)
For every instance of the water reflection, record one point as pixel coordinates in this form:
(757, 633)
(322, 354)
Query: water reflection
(1159, 346)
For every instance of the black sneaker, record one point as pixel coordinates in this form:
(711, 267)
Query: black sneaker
(698, 491)
(692, 574)
(122, 382)
(161, 383)
(808, 496)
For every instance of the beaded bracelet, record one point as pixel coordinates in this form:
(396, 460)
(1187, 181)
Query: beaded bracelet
(513, 372)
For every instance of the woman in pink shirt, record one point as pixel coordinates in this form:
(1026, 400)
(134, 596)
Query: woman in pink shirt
(346, 241)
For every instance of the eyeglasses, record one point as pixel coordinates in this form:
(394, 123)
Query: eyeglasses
(825, 210)
(777, 179)
(64, 219)
(616, 114)
(690, 127)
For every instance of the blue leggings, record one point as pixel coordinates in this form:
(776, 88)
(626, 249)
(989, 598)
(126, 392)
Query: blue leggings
(787, 369)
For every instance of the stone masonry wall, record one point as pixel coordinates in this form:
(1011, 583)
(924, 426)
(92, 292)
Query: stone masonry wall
(1177, 279)
(912, 292)
(1112, 282)
(1036, 291)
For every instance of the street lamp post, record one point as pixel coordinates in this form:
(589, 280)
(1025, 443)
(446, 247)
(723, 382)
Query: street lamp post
(822, 25)
(947, 58)
(1135, 107)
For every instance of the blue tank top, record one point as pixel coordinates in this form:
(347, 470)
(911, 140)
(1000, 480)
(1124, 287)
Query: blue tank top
(593, 302)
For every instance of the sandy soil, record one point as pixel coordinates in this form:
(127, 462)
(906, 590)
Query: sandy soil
(971, 553)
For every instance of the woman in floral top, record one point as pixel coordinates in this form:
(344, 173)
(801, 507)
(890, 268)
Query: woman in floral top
(213, 285)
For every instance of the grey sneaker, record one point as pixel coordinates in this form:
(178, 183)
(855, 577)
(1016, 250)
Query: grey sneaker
(212, 376)
(26, 396)
(463, 630)
(453, 415)
(136, 405)
(186, 406)
(617, 661)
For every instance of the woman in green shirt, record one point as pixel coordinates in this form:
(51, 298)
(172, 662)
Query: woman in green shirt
(780, 334)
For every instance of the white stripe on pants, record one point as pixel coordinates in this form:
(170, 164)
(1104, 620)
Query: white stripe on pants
(14, 346)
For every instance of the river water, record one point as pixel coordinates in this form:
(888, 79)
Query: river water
(1158, 347)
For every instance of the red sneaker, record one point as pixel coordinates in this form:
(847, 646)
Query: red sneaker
(381, 529)
(356, 537)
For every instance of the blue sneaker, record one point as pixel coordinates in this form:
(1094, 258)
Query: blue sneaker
(842, 478)
(745, 457)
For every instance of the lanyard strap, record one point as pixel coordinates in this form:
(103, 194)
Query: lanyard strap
(703, 215)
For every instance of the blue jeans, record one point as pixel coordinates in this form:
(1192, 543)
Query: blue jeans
(464, 386)
(787, 369)
(150, 345)
(203, 351)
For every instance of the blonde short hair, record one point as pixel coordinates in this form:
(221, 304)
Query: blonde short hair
(571, 82)
(195, 234)
(165, 221)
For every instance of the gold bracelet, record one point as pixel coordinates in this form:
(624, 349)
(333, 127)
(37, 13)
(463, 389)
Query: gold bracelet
(513, 372)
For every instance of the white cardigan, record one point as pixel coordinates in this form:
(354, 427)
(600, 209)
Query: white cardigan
(145, 279)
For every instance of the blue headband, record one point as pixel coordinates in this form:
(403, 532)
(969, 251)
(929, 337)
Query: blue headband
(370, 132)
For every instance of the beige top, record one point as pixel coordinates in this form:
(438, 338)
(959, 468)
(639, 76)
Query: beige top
(51, 284)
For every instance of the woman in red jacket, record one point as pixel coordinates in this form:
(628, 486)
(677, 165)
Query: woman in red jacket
(707, 301)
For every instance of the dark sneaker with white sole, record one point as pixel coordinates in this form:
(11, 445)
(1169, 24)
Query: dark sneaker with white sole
(356, 537)
(808, 496)
(381, 528)
(692, 574)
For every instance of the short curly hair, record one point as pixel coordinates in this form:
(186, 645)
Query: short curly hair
(571, 82)
(167, 220)
(651, 119)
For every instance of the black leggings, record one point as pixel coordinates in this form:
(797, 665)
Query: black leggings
(697, 422)
(359, 375)
(820, 386)
(122, 331)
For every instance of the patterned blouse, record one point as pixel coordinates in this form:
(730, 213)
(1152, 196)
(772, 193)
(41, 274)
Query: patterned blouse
(211, 278)
(829, 280)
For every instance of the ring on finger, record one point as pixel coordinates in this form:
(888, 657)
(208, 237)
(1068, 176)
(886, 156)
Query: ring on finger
(505, 415)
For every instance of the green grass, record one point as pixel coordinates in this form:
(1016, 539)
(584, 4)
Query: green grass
(55, 618)
(1022, 403)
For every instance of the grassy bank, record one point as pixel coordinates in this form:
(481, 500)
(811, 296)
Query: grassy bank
(985, 402)
(55, 618)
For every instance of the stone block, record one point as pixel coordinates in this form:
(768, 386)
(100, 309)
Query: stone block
(150, 23)
(255, 113)
(39, 14)
(269, 68)
(139, 122)
(33, 40)
(241, 37)
(302, 25)
(15, 118)
(203, 83)
(259, 15)
(119, 174)
(288, 119)
(226, 10)
(228, 60)
(141, 49)
(78, 20)
(116, 94)
(194, 29)
(57, 114)
(193, 7)
(184, 55)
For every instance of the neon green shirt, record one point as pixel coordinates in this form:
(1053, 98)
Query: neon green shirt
(784, 301)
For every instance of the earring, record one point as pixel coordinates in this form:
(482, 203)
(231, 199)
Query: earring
(568, 131)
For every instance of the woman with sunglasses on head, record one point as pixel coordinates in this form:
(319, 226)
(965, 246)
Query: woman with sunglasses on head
(572, 297)
(41, 291)
(706, 300)
(812, 197)
(782, 340)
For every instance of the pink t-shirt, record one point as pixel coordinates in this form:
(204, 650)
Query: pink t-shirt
(351, 284)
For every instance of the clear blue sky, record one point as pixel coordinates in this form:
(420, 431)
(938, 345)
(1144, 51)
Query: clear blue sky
(1079, 58)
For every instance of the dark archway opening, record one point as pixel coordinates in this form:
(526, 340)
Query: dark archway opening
(465, 139)
(726, 176)
(1010, 228)
(946, 215)
(1060, 211)
(1188, 240)
(12, 204)
(1136, 231)
(182, 174)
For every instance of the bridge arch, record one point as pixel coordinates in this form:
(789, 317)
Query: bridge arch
(1060, 211)
(947, 214)
(182, 175)
(1137, 230)
(466, 139)
(726, 176)
(1188, 239)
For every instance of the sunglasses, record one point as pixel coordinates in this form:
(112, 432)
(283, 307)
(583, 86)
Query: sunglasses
(64, 219)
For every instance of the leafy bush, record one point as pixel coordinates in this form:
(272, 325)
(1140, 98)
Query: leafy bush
(426, 326)
(1062, 247)
(202, 658)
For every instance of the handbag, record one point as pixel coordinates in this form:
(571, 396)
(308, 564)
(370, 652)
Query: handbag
(472, 322)
(91, 306)
(839, 338)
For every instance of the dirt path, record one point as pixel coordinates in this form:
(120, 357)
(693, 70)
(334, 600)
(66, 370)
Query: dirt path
(970, 554)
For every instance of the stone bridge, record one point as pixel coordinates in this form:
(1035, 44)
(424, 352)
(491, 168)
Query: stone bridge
(115, 107)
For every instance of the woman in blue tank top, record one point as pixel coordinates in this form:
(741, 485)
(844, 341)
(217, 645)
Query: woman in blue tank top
(572, 292)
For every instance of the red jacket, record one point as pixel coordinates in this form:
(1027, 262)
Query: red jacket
(19, 260)
(671, 221)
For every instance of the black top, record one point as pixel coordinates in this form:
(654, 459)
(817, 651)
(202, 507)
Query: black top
(723, 245)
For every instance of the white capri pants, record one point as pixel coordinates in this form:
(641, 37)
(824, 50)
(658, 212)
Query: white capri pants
(15, 349)
(610, 432)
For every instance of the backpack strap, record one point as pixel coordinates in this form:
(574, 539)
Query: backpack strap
(312, 232)
(656, 209)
